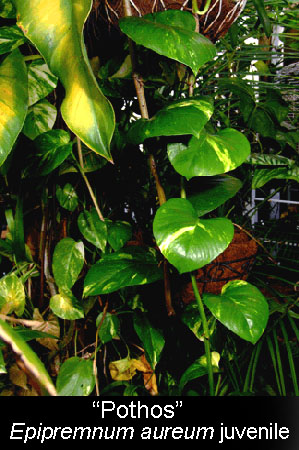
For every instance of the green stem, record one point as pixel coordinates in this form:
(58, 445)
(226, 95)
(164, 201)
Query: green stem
(88, 185)
(206, 334)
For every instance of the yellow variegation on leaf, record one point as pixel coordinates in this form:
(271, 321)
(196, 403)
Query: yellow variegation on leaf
(55, 27)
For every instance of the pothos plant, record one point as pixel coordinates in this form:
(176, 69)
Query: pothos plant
(44, 64)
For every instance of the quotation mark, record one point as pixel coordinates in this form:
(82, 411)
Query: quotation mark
(178, 403)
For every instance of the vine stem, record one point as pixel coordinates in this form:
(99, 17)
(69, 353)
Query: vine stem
(95, 370)
(139, 87)
(206, 332)
(88, 185)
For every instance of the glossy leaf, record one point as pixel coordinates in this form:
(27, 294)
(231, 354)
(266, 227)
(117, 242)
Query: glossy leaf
(76, 377)
(263, 176)
(40, 80)
(109, 328)
(10, 38)
(119, 233)
(93, 228)
(179, 118)
(191, 318)
(67, 197)
(133, 266)
(68, 260)
(13, 101)
(199, 368)
(12, 295)
(56, 30)
(52, 148)
(152, 339)
(166, 33)
(210, 154)
(28, 357)
(7, 9)
(215, 192)
(186, 241)
(66, 306)
(40, 118)
(242, 308)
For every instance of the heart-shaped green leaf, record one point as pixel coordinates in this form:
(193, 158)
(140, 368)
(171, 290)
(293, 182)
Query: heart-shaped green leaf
(169, 34)
(12, 295)
(119, 233)
(186, 241)
(152, 339)
(66, 306)
(93, 228)
(76, 377)
(13, 101)
(56, 29)
(68, 260)
(67, 197)
(40, 80)
(210, 154)
(214, 192)
(52, 148)
(29, 358)
(242, 308)
(10, 38)
(133, 266)
(179, 118)
(40, 118)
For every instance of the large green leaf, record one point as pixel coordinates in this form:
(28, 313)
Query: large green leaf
(76, 377)
(56, 29)
(211, 154)
(169, 34)
(28, 357)
(40, 118)
(40, 80)
(66, 306)
(179, 118)
(263, 176)
(242, 308)
(10, 38)
(186, 241)
(13, 101)
(52, 148)
(214, 192)
(130, 266)
(93, 228)
(152, 339)
(12, 295)
(68, 260)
